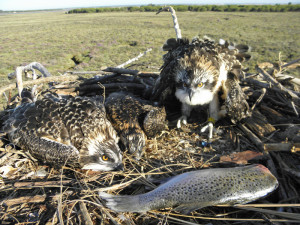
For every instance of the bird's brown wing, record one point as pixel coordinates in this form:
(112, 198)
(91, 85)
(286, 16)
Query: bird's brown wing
(155, 121)
(165, 84)
(235, 100)
(123, 111)
(83, 119)
(54, 130)
(234, 55)
(38, 128)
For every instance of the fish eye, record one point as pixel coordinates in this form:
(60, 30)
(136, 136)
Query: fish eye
(104, 157)
(200, 85)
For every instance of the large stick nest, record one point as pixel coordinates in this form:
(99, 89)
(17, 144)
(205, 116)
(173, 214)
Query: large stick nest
(32, 193)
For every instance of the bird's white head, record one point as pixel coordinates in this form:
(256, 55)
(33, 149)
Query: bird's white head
(102, 155)
(196, 78)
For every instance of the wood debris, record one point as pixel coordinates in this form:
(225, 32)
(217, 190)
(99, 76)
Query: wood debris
(71, 195)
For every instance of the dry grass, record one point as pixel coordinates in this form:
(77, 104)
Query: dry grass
(35, 194)
(32, 193)
(109, 39)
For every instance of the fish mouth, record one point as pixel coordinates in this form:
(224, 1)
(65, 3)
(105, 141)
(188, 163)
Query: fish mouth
(263, 168)
(268, 173)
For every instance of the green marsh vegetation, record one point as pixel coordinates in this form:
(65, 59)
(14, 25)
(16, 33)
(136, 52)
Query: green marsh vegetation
(91, 41)
(195, 8)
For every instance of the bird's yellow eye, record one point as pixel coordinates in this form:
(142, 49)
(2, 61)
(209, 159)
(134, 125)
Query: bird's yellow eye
(104, 157)
(200, 85)
(184, 85)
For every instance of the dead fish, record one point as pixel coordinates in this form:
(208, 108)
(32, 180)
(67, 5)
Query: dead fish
(197, 189)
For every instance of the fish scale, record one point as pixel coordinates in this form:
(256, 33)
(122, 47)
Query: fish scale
(197, 189)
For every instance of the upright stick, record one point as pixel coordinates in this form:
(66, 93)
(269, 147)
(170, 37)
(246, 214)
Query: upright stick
(176, 24)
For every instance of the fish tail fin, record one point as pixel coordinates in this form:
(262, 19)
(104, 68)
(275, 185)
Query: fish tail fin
(126, 203)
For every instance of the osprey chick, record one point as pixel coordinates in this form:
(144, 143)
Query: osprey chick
(133, 119)
(73, 131)
(197, 72)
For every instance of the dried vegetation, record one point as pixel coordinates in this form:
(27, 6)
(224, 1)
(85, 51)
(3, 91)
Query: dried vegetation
(32, 193)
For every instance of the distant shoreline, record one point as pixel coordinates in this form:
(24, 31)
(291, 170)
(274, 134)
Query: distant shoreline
(34, 11)
(195, 8)
(177, 7)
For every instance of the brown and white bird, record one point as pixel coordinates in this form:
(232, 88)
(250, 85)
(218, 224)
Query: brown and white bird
(197, 72)
(72, 131)
(134, 119)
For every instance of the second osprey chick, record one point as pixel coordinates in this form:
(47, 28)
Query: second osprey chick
(132, 118)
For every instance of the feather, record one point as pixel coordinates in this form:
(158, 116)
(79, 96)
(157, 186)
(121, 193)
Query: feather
(125, 113)
(58, 131)
(195, 72)
(235, 100)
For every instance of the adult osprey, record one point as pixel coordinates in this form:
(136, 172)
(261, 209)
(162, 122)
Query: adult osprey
(73, 131)
(197, 72)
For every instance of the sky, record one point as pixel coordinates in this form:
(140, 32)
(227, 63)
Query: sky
(9, 5)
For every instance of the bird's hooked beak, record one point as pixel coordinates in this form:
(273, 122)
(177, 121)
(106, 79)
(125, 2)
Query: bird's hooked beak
(120, 167)
(190, 94)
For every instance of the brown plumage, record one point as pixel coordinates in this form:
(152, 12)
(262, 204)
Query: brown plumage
(197, 71)
(134, 118)
(74, 131)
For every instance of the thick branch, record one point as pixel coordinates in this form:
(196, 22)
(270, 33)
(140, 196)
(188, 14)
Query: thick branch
(277, 84)
(32, 66)
(263, 90)
(41, 184)
(40, 81)
(291, 79)
(24, 199)
(112, 87)
(251, 136)
(290, 63)
(121, 70)
(291, 147)
(175, 21)
(265, 85)
(85, 214)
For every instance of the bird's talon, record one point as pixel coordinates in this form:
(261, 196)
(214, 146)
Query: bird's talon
(210, 128)
(203, 129)
(178, 124)
(182, 119)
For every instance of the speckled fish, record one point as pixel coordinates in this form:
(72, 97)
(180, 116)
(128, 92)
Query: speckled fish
(197, 189)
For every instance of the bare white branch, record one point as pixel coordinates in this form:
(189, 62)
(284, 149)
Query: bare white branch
(175, 20)
(30, 67)
(40, 81)
(135, 58)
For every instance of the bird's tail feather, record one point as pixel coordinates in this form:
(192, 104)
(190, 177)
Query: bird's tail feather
(126, 203)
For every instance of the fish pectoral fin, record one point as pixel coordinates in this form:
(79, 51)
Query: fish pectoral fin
(188, 208)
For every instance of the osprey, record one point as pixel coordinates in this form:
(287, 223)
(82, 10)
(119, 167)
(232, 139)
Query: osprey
(134, 119)
(198, 72)
(73, 131)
